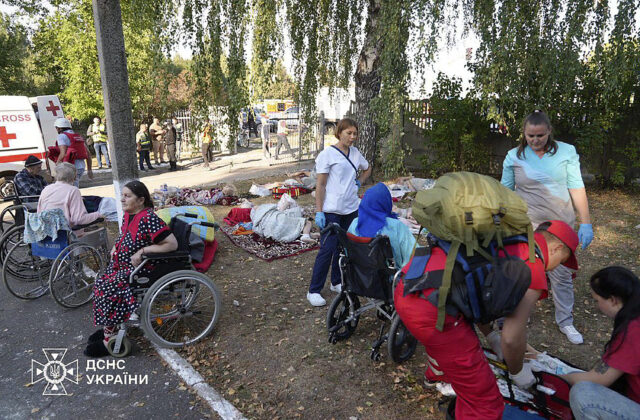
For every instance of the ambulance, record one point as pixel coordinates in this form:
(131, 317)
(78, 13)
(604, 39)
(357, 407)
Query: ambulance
(26, 130)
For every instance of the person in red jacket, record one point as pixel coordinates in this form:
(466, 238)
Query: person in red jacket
(455, 354)
(72, 149)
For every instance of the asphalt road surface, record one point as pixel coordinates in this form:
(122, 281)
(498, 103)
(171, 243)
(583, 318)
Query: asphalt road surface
(27, 327)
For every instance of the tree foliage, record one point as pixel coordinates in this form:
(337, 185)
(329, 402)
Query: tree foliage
(66, 60)
(14, 57)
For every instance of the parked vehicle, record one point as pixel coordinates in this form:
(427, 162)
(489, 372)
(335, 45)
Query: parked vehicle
(24, 133)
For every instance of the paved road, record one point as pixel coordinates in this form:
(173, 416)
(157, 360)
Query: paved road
(26, 327)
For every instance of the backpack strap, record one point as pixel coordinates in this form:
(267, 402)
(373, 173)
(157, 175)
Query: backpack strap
(446, 283)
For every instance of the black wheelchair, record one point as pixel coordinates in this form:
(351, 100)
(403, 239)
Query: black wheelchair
(368, 271)
(179, 306)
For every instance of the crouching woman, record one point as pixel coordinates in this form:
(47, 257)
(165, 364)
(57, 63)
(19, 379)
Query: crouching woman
(142, 232)
(611, 390)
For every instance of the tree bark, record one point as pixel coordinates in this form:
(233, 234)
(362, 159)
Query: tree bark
(367, 79)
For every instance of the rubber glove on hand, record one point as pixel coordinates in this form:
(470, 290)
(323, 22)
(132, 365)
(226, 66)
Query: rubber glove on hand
(494, 342)
(524, 379)
(320, 219)
(585, 234)
(358, 183)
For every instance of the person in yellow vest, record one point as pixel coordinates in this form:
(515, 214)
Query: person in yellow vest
(143, 145)
(98, 133)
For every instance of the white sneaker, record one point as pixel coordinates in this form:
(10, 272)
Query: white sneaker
(134, 317)
(316, 299)
(337, 288)
(572, 334)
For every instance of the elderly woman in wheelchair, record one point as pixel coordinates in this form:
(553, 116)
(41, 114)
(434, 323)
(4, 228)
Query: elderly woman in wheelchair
(64, 195)
(150, 283)
(142, 231)
(45, 254)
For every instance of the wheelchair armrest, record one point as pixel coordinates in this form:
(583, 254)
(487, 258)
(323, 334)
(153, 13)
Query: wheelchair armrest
(79, 227)
(9, 198)
(165, 255)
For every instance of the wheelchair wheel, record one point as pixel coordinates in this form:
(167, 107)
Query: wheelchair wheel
(340, 310)
(9, 238)
(73, 274)
(180, 308)
(125, 347)
(400, 344)
(25, 275)
(10, 216)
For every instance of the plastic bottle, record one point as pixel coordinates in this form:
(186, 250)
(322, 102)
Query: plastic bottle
(164, 190)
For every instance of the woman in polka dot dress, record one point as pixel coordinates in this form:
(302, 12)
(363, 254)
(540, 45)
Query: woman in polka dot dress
(142, 232)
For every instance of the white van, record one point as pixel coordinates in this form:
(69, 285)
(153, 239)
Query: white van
(22, 133)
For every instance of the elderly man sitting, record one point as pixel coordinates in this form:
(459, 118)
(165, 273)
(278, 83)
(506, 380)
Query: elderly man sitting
(29, 182)
(64, 195)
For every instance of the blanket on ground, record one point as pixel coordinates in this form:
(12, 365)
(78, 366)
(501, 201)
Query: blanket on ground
(281, 226)
(264, 248)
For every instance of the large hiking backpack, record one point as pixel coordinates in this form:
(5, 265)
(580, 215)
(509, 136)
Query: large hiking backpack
(474, 213)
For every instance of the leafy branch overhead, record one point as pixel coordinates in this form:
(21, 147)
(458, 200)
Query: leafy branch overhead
(575, 59)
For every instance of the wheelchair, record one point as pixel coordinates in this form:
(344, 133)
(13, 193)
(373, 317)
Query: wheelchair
(366, 270)
(66, 266)
(179, 306)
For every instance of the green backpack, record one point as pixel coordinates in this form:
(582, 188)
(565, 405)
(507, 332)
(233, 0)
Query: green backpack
(473, 210)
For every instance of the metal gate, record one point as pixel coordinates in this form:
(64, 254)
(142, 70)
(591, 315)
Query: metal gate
(303, 141)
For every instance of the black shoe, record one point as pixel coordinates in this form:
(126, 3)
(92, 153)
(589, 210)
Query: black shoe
(96, 349)
(96, 336)
(109, 166)
(151, 168)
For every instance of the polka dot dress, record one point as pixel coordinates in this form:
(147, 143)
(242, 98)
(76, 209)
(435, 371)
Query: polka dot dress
(113, 300)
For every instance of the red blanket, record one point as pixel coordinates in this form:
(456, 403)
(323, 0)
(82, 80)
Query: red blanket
(210, 249)
(238, 215)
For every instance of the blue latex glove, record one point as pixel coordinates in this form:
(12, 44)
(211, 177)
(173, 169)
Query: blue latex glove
(358, 183)
(320, 220)
(585, 234)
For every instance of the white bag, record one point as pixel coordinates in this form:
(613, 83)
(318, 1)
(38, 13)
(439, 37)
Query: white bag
(259, 190)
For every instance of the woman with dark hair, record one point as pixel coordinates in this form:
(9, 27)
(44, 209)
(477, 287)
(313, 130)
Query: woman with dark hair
(616, 291)
(336, 202)
(546, 174)
(142, 232)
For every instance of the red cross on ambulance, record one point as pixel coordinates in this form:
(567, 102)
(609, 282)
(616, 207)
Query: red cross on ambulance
(53, 108)
(5, 137)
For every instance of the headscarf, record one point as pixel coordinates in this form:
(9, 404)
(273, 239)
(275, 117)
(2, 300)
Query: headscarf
(374, 208)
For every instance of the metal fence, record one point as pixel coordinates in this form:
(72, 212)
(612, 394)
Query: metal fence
(303, 141)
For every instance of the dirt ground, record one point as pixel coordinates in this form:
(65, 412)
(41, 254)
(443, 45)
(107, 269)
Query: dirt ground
(269, 354)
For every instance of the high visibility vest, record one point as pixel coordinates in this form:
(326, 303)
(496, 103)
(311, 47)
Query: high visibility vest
(99, 133)
(145, 140)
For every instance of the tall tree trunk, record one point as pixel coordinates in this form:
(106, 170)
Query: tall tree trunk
(367, 78)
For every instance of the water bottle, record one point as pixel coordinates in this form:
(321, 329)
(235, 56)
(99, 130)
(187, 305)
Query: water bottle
(165, 193)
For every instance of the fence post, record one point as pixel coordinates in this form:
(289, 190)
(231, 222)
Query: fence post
(299, 135)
